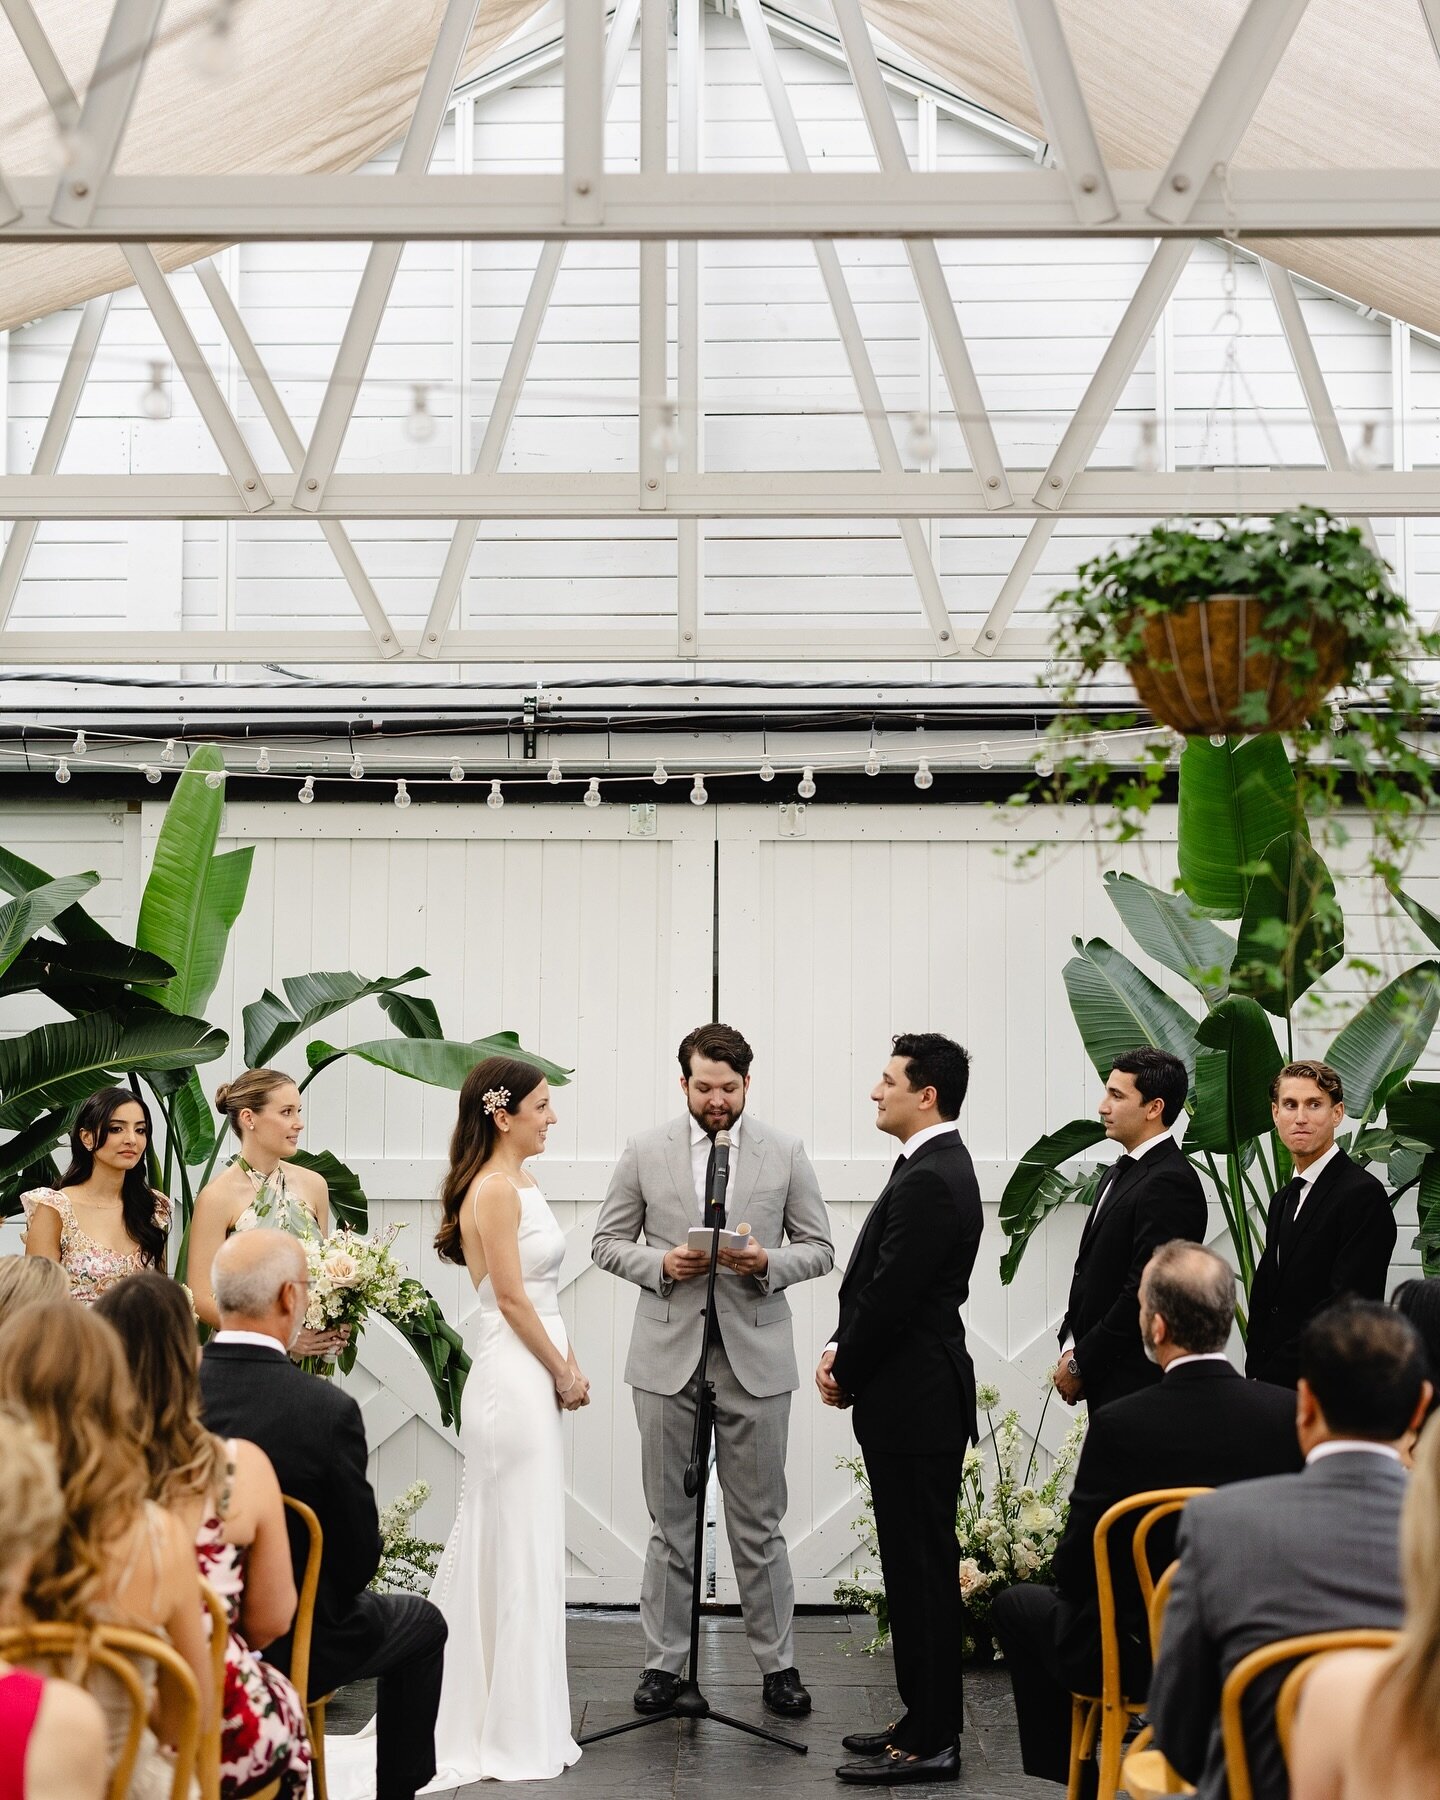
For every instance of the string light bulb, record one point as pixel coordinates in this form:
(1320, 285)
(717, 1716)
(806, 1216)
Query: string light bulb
(495, 799)
(923, 777)
(167, 755)
(1147, 454)
(661, 775)
(155, 397)
(215, 779)
(872, 762)
(307, 790)
(262, 762)
(806, 787)
(552, 774)
(1217, 740)
(1367, 456)
(1044, 768)
(456, 772)
(766, 773)
(420, 421)
(151, 773)
(357, 768)
(62, 770)
(402, 794)
(698, 796)
(986, 758)
(592, 793)
(80, 746)
(920, 437)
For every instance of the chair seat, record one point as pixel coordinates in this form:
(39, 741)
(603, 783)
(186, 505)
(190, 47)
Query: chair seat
(1145, 1775)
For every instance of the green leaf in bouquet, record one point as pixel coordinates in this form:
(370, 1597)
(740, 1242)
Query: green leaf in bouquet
(348, 1205)
(271, 1023)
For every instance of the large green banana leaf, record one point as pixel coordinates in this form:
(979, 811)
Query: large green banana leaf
(270, 1023)
(412, 1016)
(1238, 1060)
(74, 925)
(84, 976)
(192, 896)
(1427, 1204)
(1386, 1038)
(50, 1129)
(1235, 799)
(1167, 927)
(1422, 916)
(56, 1066)
(23, 916)
(1413, 1111)
(348, 1205)
(196, 1124)
(1292, 930)
(440, 1062)
(1037, 1186)
(1118, 1008)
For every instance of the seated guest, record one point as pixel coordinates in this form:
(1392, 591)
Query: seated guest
(27, 1279)
(1330, 1230)
(52, 1733)
(1419, 1300)
(1318, 1551)
(119, 1559)
(1202, 1426)
(1368, 1727)
(313, 1435)
(104, 1221)
(226, 1497)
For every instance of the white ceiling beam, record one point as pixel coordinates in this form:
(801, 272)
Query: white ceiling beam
(872, 401)
(9, 205)
(517, 365)
(279, 421)
(930, 283)
(771, 494)
(54, 82)
(361, 328)
(1061, 102)
(584, 112)
(1023, 202)
(991, 635)
(690, 415)
(63, 407)
(654, 320)
(95, 141)
(1227, 106)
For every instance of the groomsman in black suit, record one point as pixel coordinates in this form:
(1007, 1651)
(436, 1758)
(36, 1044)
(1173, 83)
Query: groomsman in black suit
(1330, 1232)
(1147, 1197)
(899, 1356)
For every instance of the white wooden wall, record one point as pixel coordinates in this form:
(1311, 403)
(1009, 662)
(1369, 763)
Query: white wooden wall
(598, 948)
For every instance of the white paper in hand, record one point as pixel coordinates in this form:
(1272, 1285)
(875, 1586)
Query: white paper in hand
(700, 1236)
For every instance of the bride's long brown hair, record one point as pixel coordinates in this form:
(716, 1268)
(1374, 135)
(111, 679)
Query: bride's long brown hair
(473, 1141)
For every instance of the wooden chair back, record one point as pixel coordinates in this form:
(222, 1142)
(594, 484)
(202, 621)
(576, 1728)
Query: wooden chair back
(304, 1628)
(1268, 1656)
(1159, 1600)
(74, 1649)
(1140, 1550)
(209, 1766)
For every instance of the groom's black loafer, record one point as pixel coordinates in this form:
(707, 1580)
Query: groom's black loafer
(894, 1767)
(784, 1694)
(869, 1743)
(657, 1691)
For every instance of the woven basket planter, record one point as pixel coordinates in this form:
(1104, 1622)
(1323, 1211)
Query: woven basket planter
(1194, 672)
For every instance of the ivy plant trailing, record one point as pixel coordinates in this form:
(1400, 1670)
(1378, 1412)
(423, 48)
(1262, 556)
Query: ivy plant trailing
(1298, 568)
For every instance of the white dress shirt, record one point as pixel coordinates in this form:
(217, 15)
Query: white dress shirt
(912, 1144)
(1195, 1356)
(1347, 1446)
(700, 1142)
(1308, 1176)
(261, 1339)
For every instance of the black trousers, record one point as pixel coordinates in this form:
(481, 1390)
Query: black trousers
(915, 1499)
(406, 1666)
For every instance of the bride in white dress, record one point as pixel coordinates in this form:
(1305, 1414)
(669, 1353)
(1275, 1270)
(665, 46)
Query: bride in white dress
(505, 1706)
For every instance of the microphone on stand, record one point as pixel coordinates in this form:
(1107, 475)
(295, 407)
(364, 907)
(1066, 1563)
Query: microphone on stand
(720, 1180)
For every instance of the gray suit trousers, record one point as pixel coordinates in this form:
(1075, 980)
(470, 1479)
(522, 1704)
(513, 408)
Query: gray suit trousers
(750, 1440)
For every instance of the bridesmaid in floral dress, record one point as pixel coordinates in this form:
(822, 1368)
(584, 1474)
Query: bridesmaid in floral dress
(104, 1221)
(255, 1188)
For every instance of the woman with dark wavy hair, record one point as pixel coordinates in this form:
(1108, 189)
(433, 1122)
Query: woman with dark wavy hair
(104, 1221)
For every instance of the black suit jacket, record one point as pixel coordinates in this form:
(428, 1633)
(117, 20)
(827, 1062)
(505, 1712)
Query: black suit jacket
(312, 1433)
(900, 1345)
(1341, 1243)
(1201, 1426)
(1157, 1199)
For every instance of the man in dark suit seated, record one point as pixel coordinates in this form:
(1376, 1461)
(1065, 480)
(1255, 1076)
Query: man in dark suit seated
(312, 1433)
(1331, 1229)
(1201, 1426)
(1148, 1196)
(1318, 1551)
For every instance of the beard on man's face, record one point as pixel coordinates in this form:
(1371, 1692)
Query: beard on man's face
(716, 1112)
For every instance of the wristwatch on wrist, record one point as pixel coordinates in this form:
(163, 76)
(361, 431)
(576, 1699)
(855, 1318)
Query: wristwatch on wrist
(1072, 1367)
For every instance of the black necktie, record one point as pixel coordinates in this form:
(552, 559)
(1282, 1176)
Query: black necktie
(713, 1214)
(1117, 1169)
(1282, 1212)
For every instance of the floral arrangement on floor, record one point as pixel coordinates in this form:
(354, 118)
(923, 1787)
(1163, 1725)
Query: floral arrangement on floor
(352, 1277)
(407, 1562)
(1006, 1535)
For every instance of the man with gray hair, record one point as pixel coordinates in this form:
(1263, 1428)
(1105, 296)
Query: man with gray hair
(312, 1432)
(1202, 1425)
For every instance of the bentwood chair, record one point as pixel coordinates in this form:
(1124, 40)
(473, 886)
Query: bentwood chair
(75, 1649)
(208, 1770)
(1268, 1656)
(301, 1644)
(1145, 1774)
(1098, 1722)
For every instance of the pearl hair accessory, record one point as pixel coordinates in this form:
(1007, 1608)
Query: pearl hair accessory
(495, 1100)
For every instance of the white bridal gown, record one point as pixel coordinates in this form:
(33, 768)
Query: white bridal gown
(505, 1704)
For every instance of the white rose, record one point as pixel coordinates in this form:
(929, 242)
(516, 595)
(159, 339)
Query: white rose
(971, 1579)
(341, 1269)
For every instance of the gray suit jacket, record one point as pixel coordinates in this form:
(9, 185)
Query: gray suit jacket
(652, 1193)
(1317, 1551)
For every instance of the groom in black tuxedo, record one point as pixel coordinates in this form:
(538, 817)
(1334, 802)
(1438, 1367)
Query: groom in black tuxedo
(899, 1357)
(313, 1434)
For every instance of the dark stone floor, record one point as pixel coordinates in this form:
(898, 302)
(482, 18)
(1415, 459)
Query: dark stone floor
(695, 1762)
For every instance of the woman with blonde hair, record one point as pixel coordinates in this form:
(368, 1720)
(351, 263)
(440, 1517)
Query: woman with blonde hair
(24, 1280)
(52, 1734)
(1368, 1727)
(262, 1107)
(226, 1497)
(119, 1558)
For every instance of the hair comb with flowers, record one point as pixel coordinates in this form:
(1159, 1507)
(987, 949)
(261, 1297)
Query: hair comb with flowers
(495, 1100)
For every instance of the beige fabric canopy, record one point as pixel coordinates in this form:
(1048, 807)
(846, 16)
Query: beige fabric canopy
(315, 87)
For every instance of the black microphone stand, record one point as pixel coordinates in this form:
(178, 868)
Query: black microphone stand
(689, 1702)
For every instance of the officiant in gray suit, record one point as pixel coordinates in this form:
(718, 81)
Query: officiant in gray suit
(658, 1192)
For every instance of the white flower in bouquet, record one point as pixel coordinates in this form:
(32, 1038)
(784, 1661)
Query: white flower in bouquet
(352, 1277)
(972, 1578)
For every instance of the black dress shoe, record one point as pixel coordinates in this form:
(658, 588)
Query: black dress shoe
(785, 1695)
(894, 1767)
(657, 1691)
(869, 1743)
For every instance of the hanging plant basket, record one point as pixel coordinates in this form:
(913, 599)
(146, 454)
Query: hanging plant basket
(1211, 669)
